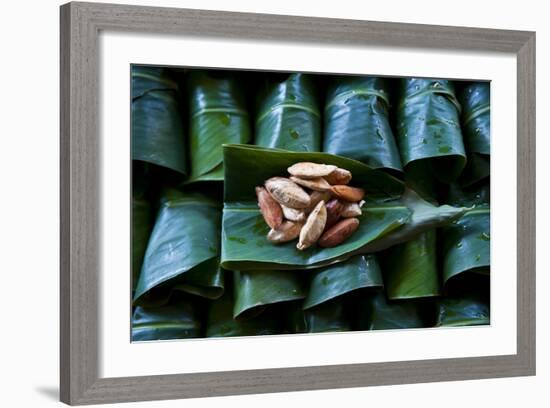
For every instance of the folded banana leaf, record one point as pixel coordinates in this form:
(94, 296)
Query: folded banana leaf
(220, 321)
(142, 222)
(357, 124)
(375, 312)
(410, 269)
(476, 127)
(256, 290)
(428, 127)
(288, 114)
(183, 249)
(343, 278)
(466, 245)
(180, 319)
(157, 128)
(469, 310)
(330, 316)
(218, 116)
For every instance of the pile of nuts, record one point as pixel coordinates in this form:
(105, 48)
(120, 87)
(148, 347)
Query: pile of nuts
(314, 204)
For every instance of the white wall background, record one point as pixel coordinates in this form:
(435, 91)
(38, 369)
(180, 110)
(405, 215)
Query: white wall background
(29, 157)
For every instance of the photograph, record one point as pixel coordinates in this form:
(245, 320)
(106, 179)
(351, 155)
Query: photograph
(295, 203)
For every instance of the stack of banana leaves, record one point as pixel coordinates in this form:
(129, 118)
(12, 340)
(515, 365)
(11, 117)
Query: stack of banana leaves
(202, 140)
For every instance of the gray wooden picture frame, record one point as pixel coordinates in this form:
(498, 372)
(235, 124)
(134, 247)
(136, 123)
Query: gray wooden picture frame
(80, 234)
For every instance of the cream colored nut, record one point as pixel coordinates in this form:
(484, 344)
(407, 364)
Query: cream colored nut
(338, 176)
(314, 226)
(347, 193)
(352, 209)
(338, 233)
(293, 214)
(308, 170)
(316, 184)
(287, 193)
(287, 231)
(270, 209)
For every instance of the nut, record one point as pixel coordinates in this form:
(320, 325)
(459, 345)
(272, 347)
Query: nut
(314, 226)
(316, 184)
(348, 193)
(339, 233)
(293, 214)
(308, 170)
(352, 209)
(270, 209)
(287, 231)
(317, 196)
(334, 209)
(338, 176)
(287, 193)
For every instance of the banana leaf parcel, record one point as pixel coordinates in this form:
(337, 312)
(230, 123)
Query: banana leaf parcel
(218, 115)
(183, 250)
(157, 128)
(357, 122)
(288, 114)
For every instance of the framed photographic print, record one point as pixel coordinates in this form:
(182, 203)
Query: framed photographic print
(258, 203)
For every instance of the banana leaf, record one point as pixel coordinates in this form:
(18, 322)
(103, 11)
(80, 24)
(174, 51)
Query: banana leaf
(376, 312)
(469, 310)
(220, 321)
(336, 280)
(288, 114)
(466, 245)
(357, 124)
(142, 220)
(476, 127)
(249, 166)
(157, 128)
(183, 249)
(255, 290)
(428, 127)
(410, 269)
(180, 319)
(330, 316)
(218, 115)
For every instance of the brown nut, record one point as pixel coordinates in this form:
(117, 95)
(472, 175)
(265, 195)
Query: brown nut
(352, 209)
(292, 214)
(314, 226)
(270, 209)
(288, 193)
(316, 184)
(287, 231)
(338, 233)
(348, 193)
(317, 196)
(334, 210)
(339, 176)
(308, 170)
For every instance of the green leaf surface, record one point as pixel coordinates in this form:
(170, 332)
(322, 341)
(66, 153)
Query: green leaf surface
(476, 117)
(142, 220)
(180, 319)
(469, 310)
(336, 280)
(410, 269)
(220, 321)
(428, 127)
(255, 290)
(218, 115)
(288, 114)
(357, 124)
(378, 313)
(466, 243)
(330, 316)
(186, 234)
(249, 166)
(157, 128)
